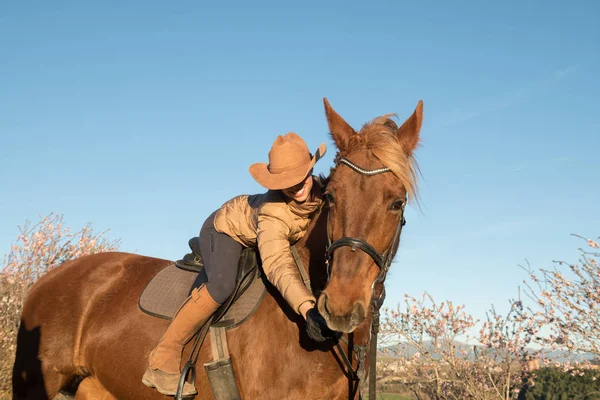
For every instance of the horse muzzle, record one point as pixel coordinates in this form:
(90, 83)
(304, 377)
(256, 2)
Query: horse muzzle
(341, 319)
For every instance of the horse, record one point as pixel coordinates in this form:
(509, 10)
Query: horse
(83, 335)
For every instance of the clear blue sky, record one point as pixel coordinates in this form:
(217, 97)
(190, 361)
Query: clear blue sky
(143, 117)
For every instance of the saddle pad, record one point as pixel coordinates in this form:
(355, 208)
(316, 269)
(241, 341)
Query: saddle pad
(169, 288)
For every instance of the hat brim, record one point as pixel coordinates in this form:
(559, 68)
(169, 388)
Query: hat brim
(260, 172)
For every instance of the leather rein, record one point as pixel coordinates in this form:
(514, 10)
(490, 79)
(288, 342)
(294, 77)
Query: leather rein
(383, 261)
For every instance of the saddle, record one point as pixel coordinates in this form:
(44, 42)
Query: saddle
(192, 261)
(168, 289)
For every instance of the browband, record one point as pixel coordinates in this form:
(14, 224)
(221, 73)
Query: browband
(364, 171)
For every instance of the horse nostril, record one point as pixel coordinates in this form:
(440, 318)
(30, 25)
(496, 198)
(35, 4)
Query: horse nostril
(358, 313)
(325, 304)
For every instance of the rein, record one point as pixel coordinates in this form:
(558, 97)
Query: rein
(383, 261)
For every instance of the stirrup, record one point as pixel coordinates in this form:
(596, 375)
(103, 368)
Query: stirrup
(190, 366)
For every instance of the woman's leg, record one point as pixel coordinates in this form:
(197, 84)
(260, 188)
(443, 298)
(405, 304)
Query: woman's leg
(220, 254)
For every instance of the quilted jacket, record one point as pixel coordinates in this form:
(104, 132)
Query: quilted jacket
(272, 222)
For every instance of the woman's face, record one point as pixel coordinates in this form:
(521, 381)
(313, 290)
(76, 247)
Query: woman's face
(301, 191)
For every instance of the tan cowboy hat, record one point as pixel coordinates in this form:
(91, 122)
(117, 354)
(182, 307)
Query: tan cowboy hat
(289, 163)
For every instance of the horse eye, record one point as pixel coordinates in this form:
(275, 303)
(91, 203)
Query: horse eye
(397, 205)
(328, 197)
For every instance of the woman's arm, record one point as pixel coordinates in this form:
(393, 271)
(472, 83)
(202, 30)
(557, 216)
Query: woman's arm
(277, 260)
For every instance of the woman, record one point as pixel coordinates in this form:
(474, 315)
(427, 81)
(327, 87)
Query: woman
(270, 221)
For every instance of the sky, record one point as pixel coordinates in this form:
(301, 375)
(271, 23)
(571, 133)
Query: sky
(143, 117)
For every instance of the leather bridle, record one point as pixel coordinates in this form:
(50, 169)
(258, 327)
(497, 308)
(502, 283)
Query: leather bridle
(382, 260)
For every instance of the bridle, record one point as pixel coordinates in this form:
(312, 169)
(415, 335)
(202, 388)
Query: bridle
(382, 260)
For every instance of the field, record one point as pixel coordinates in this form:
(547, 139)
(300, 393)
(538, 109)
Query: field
(392, 396)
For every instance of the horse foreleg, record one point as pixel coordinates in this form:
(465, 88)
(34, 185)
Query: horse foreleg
(91, 389)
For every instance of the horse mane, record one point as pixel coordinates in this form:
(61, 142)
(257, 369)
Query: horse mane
(380, 137)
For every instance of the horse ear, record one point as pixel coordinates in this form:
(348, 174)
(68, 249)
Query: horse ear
(408, 133)
(340, 131)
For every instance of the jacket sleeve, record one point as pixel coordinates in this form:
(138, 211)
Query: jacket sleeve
(277, 260)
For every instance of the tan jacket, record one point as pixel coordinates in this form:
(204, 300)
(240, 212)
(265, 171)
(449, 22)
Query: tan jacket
(273, 223)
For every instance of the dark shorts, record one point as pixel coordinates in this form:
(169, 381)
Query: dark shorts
(220, 254)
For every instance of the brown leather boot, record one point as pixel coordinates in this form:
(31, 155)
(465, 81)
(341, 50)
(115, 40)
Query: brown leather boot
(164, 361)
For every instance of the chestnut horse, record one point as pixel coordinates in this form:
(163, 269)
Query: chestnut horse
(82, 331)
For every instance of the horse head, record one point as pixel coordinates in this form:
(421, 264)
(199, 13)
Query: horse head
(374, 177)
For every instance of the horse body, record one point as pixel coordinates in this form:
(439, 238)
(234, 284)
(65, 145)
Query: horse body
(82, 330)
(98, 332)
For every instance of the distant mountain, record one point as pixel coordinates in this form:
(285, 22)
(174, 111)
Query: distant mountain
(563, 355)
(405, 350)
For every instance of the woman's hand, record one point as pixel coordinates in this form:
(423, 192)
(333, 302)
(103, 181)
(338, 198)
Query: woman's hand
(317, 328)
(304, 307)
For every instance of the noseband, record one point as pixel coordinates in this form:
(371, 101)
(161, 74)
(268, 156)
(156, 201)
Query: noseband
(383, 260)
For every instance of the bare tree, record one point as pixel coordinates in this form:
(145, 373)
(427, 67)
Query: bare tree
(37, 249)
(568, 296)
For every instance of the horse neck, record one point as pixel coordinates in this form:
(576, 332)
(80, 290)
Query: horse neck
(277, 316)
(311, 249)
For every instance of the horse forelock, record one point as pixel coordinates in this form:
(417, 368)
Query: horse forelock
(380, 137)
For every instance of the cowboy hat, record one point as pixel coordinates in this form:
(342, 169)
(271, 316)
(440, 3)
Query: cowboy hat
(289, 163)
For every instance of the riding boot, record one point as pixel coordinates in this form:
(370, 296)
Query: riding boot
(164, 361)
